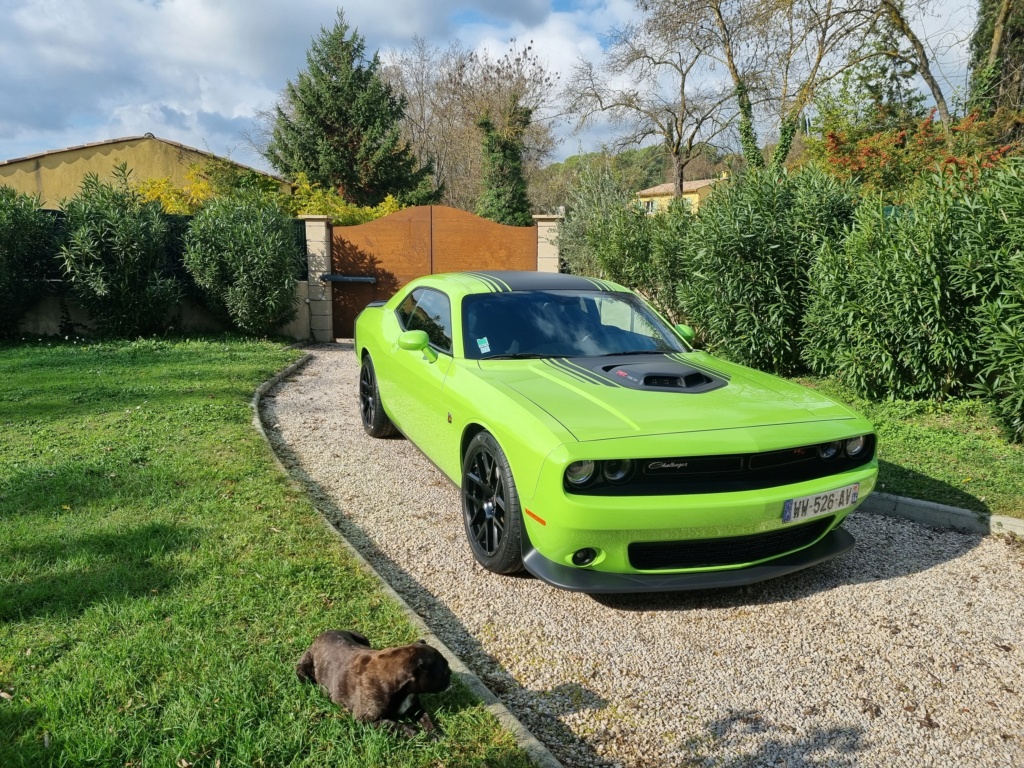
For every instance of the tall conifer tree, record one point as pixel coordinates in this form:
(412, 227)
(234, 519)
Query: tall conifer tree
(339, 123)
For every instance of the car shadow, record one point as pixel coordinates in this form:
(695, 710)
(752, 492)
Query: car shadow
(887, 548)
(541, 709)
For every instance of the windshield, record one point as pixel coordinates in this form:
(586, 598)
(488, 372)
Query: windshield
(561, 324)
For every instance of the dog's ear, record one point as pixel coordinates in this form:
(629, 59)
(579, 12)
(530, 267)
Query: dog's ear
(359, 638)
(421, 641)
(305, 669)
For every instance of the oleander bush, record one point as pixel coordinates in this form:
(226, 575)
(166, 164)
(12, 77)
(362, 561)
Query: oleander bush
(241, 252)
(595, 197)
(927, 300)
(746, 261)
(28, 243)
(117, 259)
(991, 275)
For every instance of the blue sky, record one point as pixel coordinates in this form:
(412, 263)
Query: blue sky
(195, 71)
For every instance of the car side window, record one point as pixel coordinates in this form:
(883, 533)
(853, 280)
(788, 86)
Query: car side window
(428, 310)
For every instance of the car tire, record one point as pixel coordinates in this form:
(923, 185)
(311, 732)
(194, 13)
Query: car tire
(490, 507)
(371, 410)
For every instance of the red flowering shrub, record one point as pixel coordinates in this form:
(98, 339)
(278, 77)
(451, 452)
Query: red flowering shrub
(891, 162)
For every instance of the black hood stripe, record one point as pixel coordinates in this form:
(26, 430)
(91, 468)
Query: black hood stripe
(572, 367)
(571, 374)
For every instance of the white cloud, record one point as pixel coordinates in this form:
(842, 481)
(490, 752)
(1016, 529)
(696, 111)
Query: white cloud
(74, 71)
(195, 71)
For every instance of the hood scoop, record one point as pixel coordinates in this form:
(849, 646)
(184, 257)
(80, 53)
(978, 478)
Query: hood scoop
(658, 374)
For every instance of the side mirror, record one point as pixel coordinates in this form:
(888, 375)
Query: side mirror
(686, 332)
(417, 341)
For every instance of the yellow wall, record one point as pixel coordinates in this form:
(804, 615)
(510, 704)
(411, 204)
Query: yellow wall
(662, 202)
(58, 175)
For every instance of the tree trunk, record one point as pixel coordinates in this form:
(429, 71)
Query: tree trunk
(748, 138)
(924, 68)
(997, 33)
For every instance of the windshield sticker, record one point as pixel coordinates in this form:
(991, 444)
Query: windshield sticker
(484, 346)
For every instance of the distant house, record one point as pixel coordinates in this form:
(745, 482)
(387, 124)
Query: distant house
(658, 198)
(58, 174)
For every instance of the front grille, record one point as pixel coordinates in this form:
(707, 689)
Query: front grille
(727, 474)
(733, 550)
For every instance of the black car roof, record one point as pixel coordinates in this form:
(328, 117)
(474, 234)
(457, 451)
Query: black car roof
(507, 280)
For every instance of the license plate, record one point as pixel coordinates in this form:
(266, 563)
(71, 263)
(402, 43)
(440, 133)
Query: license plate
(820, 503)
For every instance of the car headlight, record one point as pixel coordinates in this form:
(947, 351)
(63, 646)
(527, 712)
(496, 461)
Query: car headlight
(855, 446)
(579, 473)
(617, 470)
(829, 451)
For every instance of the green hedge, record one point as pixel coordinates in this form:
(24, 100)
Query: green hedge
(746, 260)
(992, 277)
(28, 243)
(886, 315)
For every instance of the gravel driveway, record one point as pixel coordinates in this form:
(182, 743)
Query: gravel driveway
(905, 652)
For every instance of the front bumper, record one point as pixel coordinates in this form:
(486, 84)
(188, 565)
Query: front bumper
(831, 545)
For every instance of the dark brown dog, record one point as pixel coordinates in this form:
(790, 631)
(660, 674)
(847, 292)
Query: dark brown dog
(378, 687)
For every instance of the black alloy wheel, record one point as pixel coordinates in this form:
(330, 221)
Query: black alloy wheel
(371, 411)
(490, 507)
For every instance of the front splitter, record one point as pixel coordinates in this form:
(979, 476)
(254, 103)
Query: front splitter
(832, 545)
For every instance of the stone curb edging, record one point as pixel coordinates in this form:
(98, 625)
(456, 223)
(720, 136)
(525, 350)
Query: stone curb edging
(537, 752)
(940, 515)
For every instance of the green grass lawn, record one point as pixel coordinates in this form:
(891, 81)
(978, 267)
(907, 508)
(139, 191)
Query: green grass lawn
(159, 578)
(952, 453)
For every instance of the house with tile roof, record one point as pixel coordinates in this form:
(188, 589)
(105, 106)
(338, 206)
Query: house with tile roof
(58, 174)
(658, 198)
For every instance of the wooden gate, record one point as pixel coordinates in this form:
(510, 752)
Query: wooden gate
(416, 242)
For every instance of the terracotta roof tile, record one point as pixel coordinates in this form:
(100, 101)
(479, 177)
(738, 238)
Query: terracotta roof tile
(667, 189)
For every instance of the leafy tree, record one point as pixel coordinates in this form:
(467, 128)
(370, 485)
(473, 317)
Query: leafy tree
(116, 257)
(216, 177)
(637, 168)
(181, 201)
(503, 198)
(892, 162)
(448, 90)
(340, 124)
(28, 242)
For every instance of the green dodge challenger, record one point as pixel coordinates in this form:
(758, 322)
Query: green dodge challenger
(595, 448)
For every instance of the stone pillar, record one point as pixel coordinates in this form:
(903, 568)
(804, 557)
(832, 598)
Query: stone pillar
(318, 260)
(547, 242)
